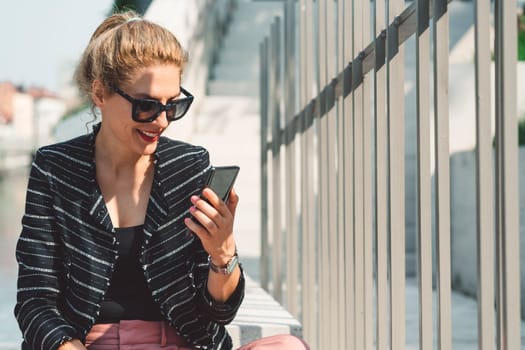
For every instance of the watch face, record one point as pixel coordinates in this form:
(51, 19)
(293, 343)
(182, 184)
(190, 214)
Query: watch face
(225, 270)
(231, 265)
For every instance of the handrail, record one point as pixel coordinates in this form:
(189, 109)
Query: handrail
(325, 152)
(402, 28)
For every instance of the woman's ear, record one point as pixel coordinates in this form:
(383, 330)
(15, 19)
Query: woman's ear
(98, 93)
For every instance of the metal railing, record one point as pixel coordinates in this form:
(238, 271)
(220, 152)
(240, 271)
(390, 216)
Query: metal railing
(333, 171)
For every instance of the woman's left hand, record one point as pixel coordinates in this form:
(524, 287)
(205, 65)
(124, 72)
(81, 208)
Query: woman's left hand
(216, 229)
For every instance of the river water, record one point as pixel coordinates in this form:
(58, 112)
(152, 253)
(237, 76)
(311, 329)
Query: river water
(12, 198)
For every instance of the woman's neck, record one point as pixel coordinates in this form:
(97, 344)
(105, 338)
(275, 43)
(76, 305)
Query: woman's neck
(125, 181)
(117, 159)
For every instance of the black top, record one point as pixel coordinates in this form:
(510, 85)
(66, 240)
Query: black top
(128, 296)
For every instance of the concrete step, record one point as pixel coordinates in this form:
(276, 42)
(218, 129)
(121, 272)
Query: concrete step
(253, 18)
(243, 42)
(237, 70)
(233, 88)
(257, 7)
(261, 316)
(230, 55)
(251, 24)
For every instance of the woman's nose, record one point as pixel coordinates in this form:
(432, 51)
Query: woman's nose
(162, 120)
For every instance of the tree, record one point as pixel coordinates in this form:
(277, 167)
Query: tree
(136, 5)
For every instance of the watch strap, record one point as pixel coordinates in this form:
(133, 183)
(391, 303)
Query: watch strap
(226, 269)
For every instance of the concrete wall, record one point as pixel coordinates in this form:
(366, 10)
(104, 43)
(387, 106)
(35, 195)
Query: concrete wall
(463, 177)
(464, 226)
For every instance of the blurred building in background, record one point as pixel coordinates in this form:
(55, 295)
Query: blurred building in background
(27, 119)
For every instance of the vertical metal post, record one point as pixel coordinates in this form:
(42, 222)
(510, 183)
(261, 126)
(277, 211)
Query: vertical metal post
(499, 226)
(348, 149)
(292, 300)
(331, 143)
(359, 260)
(307, 198)
(396, 119)
(322, 193)
(306, 309)
(424, 236)
(265, 251)
(276, 163)
(343, 341)
(441, 31)
(507, 205)
(485, 222)
(381, 176)
(367, 186)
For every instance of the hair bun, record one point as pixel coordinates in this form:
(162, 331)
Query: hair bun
(115, 21)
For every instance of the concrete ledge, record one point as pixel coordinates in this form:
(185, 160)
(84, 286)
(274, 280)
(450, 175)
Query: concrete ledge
(260, 316)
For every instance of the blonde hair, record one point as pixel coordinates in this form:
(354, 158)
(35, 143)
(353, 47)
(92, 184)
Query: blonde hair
(121, 45)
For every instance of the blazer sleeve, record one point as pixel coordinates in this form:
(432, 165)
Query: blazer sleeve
(39, 257)
(221, 313)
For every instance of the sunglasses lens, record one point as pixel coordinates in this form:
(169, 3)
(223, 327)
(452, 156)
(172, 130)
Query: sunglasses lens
(145, 109)
(180, 109)
(171, 111)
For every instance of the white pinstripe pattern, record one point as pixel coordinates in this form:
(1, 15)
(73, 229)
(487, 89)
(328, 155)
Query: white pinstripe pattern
(66, 252)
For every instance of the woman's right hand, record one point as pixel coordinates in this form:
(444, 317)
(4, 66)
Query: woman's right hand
(72, 345)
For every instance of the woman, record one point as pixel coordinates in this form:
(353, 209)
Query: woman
(108, 255)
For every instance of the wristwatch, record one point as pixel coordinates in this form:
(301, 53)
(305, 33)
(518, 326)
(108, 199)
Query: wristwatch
(226, 269)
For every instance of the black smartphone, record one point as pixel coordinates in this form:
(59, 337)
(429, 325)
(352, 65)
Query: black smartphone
(221, 180)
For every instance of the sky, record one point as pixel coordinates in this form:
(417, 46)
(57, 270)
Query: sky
(40, 41)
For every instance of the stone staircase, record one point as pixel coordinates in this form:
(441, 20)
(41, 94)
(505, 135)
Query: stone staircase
(237, 69)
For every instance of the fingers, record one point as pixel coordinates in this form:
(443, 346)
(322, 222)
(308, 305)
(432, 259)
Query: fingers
(213, 214)
(213, 222)
(196, 228)
(213, 199)
(205, 214)
(232, 202)
(225, 209)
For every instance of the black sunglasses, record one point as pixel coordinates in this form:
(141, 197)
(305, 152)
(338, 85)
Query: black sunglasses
(146, 110)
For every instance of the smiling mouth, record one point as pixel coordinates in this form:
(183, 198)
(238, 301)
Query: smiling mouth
(148, 136)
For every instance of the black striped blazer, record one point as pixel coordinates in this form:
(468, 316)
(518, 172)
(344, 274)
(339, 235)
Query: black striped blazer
(67, 249)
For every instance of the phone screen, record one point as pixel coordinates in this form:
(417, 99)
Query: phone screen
(222, 179)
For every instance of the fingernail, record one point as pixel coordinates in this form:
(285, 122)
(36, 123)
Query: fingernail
(192, 209)
(194, 199)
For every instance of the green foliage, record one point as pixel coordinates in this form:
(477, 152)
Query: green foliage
(124, 5)
(521, 46)
(521, 132)
(521, 37)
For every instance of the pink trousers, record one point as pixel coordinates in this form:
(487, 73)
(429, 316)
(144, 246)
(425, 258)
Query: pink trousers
(146, 335)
